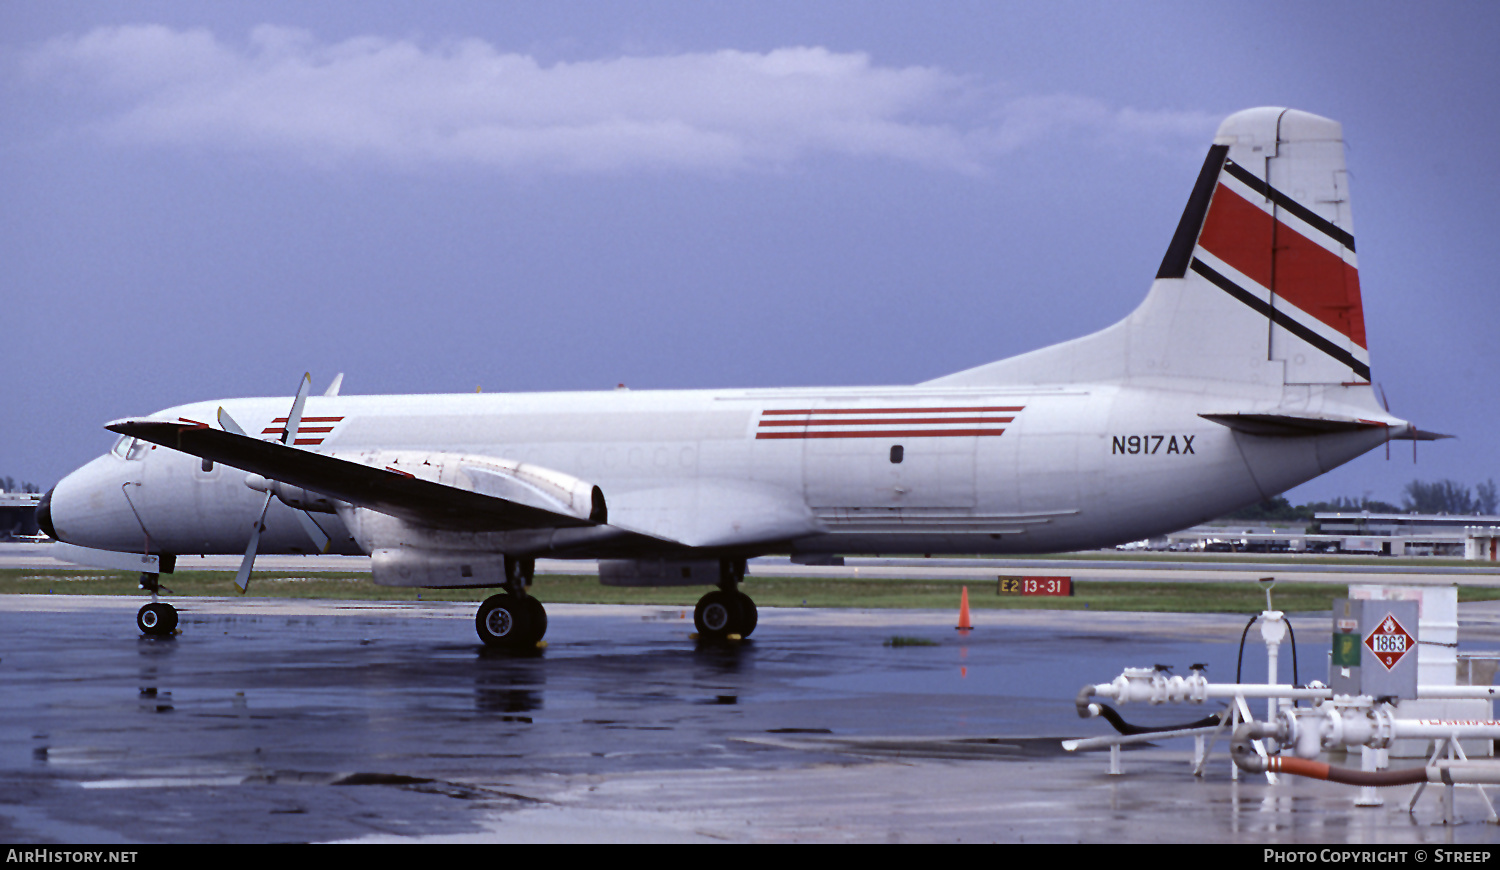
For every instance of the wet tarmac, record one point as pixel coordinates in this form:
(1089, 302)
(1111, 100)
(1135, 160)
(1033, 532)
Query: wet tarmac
(294, 721)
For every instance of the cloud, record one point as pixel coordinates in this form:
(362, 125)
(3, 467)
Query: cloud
(400, 103)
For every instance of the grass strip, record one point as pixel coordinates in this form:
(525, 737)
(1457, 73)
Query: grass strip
(1163, 597)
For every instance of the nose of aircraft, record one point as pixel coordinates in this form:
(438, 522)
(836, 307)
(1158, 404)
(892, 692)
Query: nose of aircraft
(44, 515)
(90, 508)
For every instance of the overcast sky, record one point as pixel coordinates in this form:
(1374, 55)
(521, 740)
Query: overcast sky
(204, 200)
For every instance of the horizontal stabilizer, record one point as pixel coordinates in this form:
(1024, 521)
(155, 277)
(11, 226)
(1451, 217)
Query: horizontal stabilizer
(1275, 425)
(1412, 433)
(396, 493)
(1290, 425)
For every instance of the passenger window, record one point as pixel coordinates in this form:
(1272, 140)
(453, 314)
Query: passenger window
(208, 465)
(898, 453)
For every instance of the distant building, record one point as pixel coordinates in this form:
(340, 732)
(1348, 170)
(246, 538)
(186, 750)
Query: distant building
(1420, 534)
(18, 513)
(1455, 536)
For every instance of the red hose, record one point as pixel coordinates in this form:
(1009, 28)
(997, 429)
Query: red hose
(1319, 770)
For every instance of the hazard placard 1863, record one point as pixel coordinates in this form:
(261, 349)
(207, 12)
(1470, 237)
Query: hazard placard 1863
(1389, 642)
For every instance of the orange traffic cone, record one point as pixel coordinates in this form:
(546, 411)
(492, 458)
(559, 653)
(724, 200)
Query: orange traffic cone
(963, 612)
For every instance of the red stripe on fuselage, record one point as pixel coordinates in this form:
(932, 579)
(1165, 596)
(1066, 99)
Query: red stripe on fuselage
(885, 433)
(301, 430)
(1004, 410)
(886, 421)
(1306, 274)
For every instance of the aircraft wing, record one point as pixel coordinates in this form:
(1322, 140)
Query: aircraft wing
(389, 491)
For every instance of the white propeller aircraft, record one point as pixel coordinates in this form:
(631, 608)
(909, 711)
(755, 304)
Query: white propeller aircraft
(1243, 373)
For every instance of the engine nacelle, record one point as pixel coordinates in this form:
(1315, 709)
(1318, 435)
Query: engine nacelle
(294, 496)
(519, 482)
(373, 531)
(409, 554)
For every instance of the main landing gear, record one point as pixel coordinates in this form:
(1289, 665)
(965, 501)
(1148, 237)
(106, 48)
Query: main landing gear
(726, 610)
(513, 619)
(157, 619)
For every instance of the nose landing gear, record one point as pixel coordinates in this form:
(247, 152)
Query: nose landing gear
(157, 619)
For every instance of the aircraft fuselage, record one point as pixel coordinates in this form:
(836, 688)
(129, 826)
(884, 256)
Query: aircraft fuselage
(878, 470)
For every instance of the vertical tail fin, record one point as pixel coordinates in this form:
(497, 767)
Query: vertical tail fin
(1259, 284)
(1278, 237)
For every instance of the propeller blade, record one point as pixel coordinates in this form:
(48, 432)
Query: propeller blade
(314, 531)
(294, 419)
(1387, 405)
(288, 437)
(319, 537)
(242, 579)
(227, 423)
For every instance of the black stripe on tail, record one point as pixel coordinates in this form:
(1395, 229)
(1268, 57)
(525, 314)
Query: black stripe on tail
(1180, 252)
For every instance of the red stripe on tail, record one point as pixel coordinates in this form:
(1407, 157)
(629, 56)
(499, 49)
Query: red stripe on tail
(1305, 273)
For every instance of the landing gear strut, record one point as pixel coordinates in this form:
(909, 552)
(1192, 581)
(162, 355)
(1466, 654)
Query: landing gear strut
(513, 619)
(158, 619)
(726, 610)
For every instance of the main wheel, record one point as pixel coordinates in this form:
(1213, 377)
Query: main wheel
(504, 621)
(718, 615)
(158, 619)
(749, 616)
(536, 615)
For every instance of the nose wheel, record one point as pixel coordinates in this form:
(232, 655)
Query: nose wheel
(158, 619)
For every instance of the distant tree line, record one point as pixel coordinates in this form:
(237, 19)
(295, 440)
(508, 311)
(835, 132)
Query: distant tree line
(1420, 497)
(1449, 497)
(8, 484)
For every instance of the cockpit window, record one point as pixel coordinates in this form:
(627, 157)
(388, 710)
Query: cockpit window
(130, 448)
